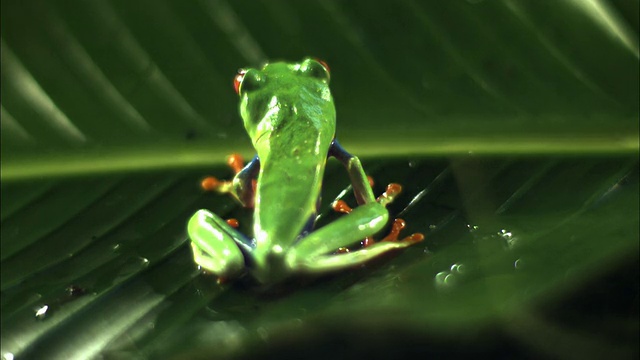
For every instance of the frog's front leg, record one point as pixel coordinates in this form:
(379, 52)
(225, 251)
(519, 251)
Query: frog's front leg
(241, 187)
(217, 245)
(361, 187)
(314, 253)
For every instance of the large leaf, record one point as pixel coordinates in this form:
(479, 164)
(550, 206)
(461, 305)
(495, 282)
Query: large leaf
(512, 125)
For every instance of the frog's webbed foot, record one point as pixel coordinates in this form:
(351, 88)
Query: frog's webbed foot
(393, 190)
(243, 185)
(211, 183)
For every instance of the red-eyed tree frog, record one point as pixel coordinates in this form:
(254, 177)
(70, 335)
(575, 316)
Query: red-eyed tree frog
(288, 112)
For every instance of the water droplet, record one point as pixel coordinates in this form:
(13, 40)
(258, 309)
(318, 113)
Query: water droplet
(74, 290)
(472, 228)
(412, 164)
(130, 267)
(115, 247)
(440, 277)
(433, 227)
(508, 236)
(144, 261)
(41, 312)
(445, 280)
(458, 268)
(449, 280)
(518, 264)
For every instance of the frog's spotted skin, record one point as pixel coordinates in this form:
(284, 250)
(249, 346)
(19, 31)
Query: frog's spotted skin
(288, 112)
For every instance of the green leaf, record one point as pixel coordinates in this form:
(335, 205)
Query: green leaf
(512, 126)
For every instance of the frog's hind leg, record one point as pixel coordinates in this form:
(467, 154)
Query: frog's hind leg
(333, 262)
(314, 253)
(217, 246)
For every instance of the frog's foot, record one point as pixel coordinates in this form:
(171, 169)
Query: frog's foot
(370, 180)
(211, 183)
(396, 228)
(387, 197)
(393, 190)
(234, 223)
(216, 244)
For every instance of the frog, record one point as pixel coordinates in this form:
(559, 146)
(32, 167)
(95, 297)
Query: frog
(289, 114)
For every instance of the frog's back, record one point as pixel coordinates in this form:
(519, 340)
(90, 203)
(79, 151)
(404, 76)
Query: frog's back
(289, 114)
(289, 184)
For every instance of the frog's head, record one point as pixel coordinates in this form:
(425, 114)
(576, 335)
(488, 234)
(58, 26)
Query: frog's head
(269, 95)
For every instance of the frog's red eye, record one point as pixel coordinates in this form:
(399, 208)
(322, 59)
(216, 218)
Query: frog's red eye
(237, 80)
(324, 65)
